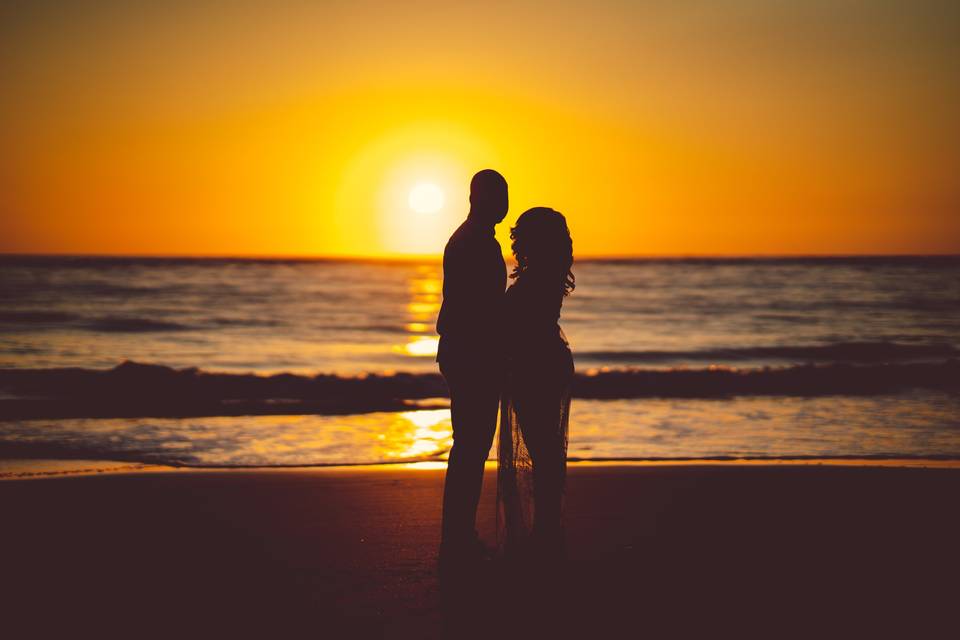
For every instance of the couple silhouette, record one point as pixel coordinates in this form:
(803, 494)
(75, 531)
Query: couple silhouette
(503, 348)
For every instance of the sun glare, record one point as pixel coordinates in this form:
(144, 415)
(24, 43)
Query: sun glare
(409, 187)
(425, 197)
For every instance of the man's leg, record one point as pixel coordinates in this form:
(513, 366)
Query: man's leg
(474, 400)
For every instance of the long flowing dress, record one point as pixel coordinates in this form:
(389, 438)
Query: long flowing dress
(534, 420)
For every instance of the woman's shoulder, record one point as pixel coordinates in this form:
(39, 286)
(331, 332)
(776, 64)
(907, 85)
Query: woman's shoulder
(516, 289)
(527, 286)
(520, 292)
(528, 298)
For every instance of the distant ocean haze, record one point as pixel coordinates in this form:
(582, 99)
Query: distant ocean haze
(639, 325)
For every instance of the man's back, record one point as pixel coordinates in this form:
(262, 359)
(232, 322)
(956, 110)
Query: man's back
(474, 279)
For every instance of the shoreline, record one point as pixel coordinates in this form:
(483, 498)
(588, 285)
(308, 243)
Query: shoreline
(52, 468)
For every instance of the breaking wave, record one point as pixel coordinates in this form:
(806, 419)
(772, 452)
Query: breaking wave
(149, 390)
(860, 352)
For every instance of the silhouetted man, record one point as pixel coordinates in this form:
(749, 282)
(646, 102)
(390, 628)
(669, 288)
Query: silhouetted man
(471, 355)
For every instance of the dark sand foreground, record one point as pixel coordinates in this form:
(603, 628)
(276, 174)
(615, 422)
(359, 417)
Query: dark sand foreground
(654, 551)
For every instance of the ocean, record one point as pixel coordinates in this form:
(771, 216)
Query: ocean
(212, 362)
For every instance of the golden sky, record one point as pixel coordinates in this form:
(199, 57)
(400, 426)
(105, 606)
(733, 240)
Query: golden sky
(659, 128)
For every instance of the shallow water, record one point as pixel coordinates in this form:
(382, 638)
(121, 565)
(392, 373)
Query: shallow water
(918, 424)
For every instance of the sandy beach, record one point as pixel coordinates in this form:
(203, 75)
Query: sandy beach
(654, 550)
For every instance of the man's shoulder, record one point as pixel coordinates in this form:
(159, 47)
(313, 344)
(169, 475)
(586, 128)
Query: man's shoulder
(467, 239)
(472, 245)
(468, 231)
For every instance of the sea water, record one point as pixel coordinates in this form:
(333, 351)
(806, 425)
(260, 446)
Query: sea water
(356, 318)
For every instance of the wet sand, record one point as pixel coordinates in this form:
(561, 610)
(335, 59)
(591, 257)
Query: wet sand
(654, 550)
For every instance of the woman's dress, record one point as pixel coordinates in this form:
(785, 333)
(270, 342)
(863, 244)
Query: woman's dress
(534, 419)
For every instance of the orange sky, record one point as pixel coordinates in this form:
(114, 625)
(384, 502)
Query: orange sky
(295, 128)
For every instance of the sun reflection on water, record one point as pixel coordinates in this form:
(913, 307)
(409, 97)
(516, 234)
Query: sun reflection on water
(421, 346)
(426, 465)
(425, 434)
(424, 287)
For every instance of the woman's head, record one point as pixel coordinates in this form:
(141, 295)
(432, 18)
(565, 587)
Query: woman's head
(543, 247)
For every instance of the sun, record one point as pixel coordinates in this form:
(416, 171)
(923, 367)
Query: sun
(425, 197)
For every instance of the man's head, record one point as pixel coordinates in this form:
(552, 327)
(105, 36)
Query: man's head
(488, 196)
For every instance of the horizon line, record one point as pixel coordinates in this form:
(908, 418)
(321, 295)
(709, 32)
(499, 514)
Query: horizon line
(434, 257)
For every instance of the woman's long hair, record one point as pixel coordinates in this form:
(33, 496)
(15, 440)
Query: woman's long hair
(542, 245)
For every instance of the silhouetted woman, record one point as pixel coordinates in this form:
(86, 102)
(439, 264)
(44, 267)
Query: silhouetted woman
(536, 399)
